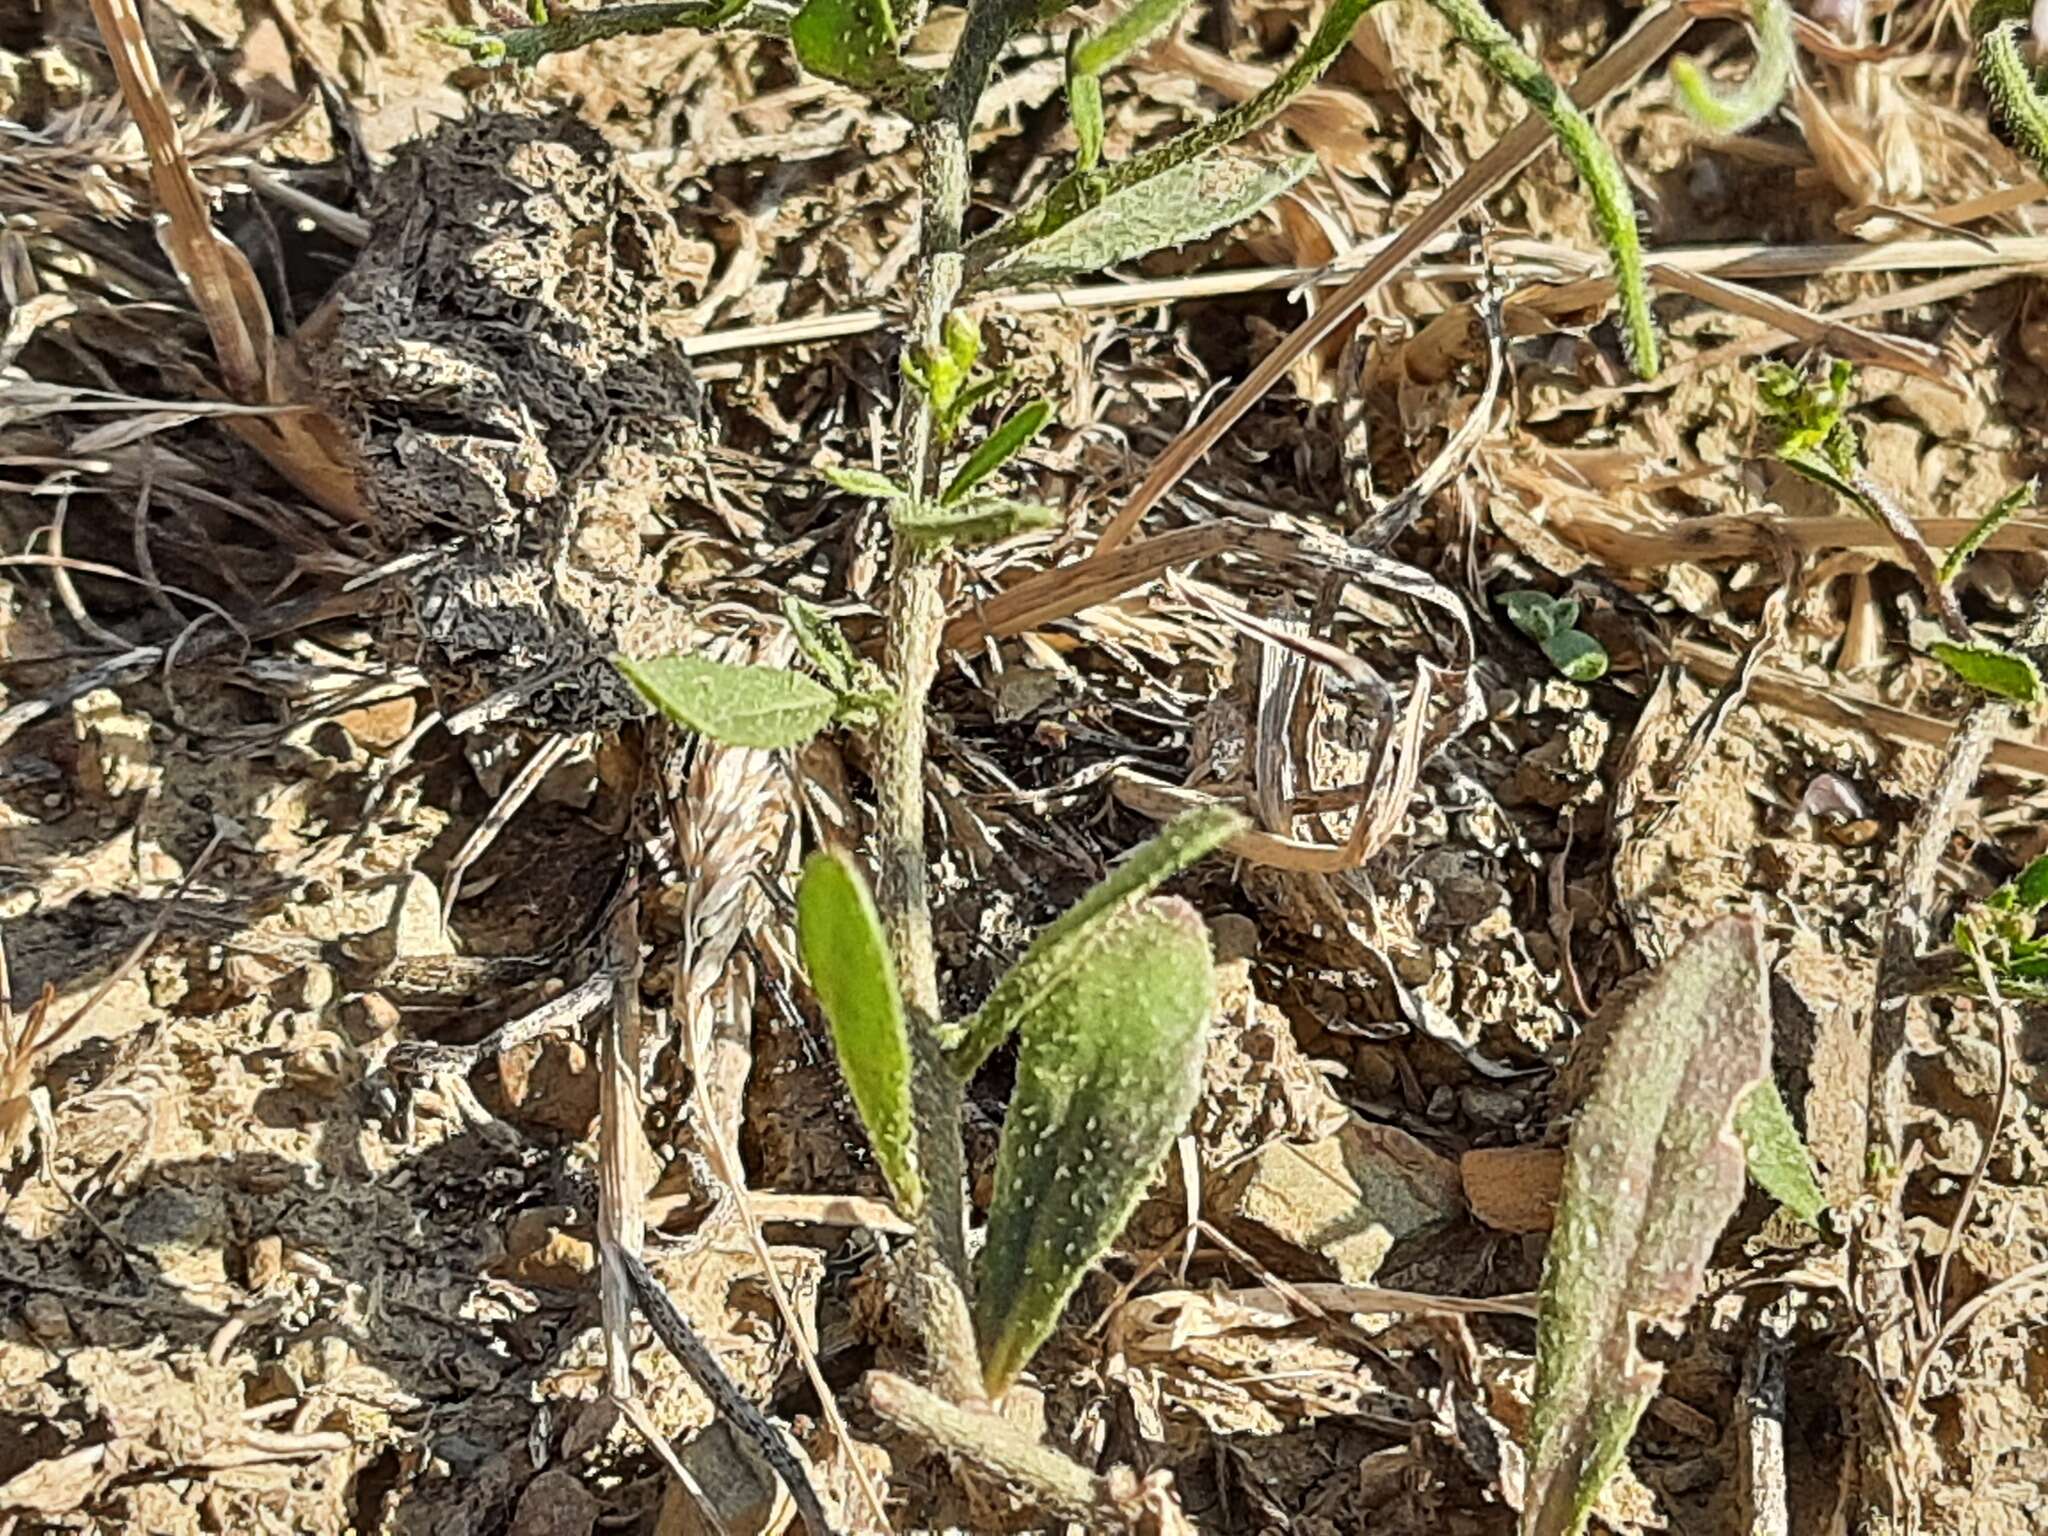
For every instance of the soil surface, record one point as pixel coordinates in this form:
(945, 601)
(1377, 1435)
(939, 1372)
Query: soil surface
(324, 830)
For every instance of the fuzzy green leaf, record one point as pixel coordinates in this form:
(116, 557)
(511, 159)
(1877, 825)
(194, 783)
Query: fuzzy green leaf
(849, 40)
(978, 520)
(1185, 202)
(2029, 891)
(2001, 28)
(2002, 512)
(1577, 655)
(997, 449)
(848, 961)
(1084, 111)
(1653, 1171)
(741, 706)
(864, 482)
(1537, 614)
(1759, 95)
(1778, 1160)
(1123, 35)
(1993, 669)
(1108, 1070)
(1065, 942)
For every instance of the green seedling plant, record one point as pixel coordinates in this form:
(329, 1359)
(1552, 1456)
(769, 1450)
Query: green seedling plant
(1550, 622)
(1813, 435)
(2019, 103)
(2009, 930)
(1107, 1009)
(1682, 1110)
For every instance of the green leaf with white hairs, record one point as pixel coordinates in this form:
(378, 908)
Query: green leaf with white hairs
(997, 449)
(847, 959)
(1089, 54)
(1777, 1155)
(1749, 103)
(2002, 512)
(764, 707)
(1084, 111)
(856, 42)
(977, 520)
(1994, 670)
(1067, 941)
(856, 481)
(1187, 201)
(1539, 615)
(2027, 891)
(848, 40)
(1577, 655)
(1654, 1169)
(1108, 1069)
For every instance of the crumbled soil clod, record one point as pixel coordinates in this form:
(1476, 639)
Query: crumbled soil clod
(504, 352)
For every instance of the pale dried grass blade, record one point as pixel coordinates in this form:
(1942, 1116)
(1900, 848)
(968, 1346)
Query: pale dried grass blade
(304, 445)
(1847, 341)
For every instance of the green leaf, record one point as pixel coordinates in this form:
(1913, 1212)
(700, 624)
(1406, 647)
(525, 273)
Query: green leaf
(864, 482)
(1084, 111)
(1577, 655)
(1536, 614)
(2001, 513)
(856, 42)
(1090, 54)
(2029, 892)
(1652, 1173)
(963, 340)
(1993, 669)
(978, 520)
(1777, 1156)
(997, 449)
(822, 644)
(1065, 942)
(847, 957)
(761, 707)
(1185, 202)
(2001, 28)
(1757, 96)
(1123, 35)
(848, 40)
(1108, 1070)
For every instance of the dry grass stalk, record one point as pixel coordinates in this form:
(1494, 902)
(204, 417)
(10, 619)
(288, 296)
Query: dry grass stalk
(731, 825)
(300, 442)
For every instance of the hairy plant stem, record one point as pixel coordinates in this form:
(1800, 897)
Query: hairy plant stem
(577, 29)
(915, 614)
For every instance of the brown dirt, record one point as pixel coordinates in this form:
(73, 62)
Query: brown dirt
(275, 1255)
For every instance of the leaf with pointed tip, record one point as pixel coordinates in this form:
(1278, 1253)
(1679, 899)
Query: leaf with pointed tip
(1068, 940)
(1536, 614)
(1189, 201)
(1084, 111)
(1577, 655)
(848, 40)
(856, 481)
(761, 707)
(1778, 1160)
(978, 520)
(1759, 95)
(822, 644)
(2028, 891)
(848, 961)
(1652, 1173)
(998, 448)
(2002, 512)
(1108, 1070)
(1993, 669)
